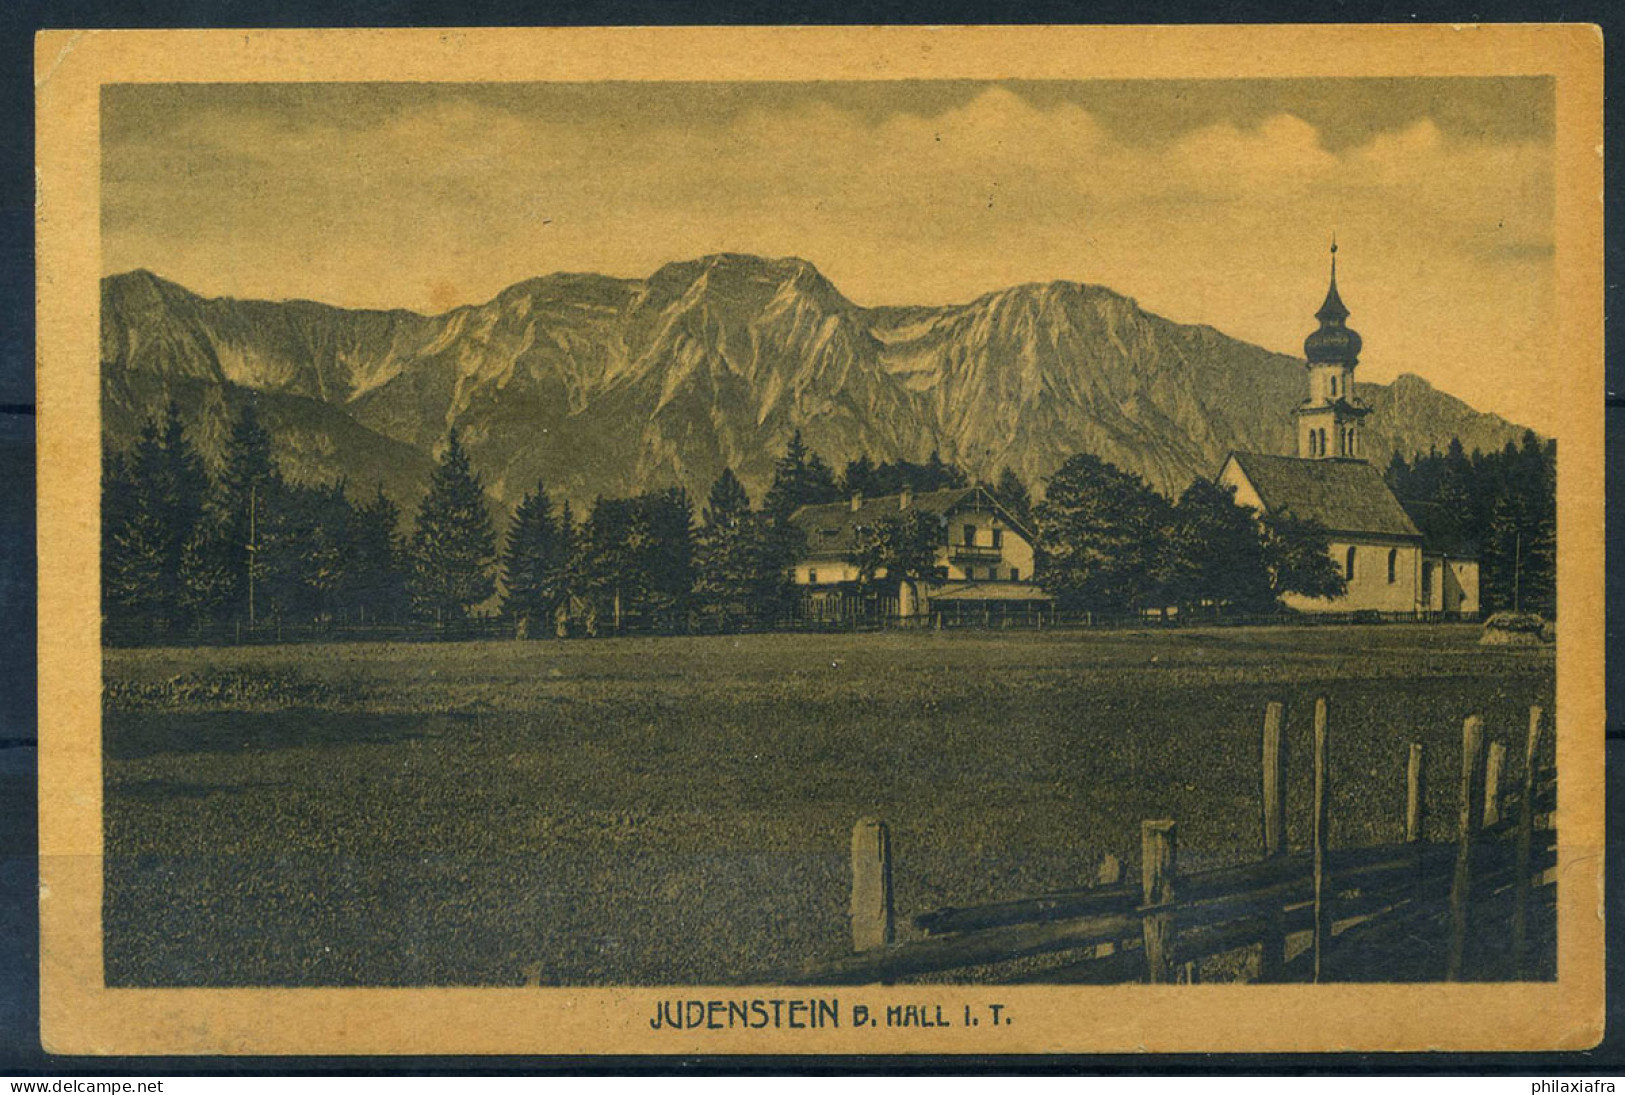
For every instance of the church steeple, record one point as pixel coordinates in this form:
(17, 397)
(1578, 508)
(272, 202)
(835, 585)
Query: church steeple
(1332, 310)
(1329, 420)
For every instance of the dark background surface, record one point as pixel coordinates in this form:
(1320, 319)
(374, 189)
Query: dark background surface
(20, 1052)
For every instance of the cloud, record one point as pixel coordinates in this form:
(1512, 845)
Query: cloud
(450, 197)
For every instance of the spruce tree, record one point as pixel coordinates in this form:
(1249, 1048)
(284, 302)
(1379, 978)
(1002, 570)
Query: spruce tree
(800, 478)
(785, 494)
(728, 555)
(244, 497)
(858, 477)
(533, 562)
(453, 547)
(376, 585)
(1011, 493)
(168, 487)
(728, 502)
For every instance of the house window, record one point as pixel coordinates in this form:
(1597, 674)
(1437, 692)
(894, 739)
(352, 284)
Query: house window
(970, 535)
(998, 537)
(1427, 585)
(1015, 574)
(812, 577)
(1393, 564)
(1348, 565)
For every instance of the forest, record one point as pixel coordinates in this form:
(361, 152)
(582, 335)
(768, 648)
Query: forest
(192, 551)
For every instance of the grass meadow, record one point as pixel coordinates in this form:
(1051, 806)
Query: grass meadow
(678, 810)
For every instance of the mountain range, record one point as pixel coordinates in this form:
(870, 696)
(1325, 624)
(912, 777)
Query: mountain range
(607, 386)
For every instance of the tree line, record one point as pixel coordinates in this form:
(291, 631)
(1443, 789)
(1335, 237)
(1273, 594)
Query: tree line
(189, 548)
(1501, 505)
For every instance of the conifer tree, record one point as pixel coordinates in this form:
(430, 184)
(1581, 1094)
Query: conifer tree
(376, 573)
(728, 502)
(800, 478)
(737, 578)
(534, 561)
(1011, 493)
(453, 547)
(244, 497)
(167, 483)
(858, 477)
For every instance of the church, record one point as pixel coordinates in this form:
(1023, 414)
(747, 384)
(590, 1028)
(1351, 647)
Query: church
(1390, 559)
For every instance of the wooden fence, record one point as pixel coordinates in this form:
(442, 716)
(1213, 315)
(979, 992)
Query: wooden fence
(1406, 911)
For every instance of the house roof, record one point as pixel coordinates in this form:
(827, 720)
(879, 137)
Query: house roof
(1441, 534)
(831, 528)
(1343, 495)
(989, 591)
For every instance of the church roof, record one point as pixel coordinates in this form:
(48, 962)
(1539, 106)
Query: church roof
(1344, 495)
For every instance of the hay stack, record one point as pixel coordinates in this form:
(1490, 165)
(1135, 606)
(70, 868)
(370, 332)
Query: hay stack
(1515, 629)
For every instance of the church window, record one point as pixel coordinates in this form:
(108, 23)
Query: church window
(1393, 564)
(1348, 565)
(1323, 442)
(1334, 385)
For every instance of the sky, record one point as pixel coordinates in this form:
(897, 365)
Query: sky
(1207, 201)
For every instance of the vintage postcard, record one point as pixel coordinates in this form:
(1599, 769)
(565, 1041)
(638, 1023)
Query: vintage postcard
(857, 540)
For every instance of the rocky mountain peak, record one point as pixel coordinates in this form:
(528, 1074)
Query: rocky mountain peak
(603, 385)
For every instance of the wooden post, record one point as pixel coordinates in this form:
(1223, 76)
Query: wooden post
(1110, 873)
(1274, 784)
(1158, 853)
(1321, 924)
(1526, 837)
(1413, 795)
(1471, 812)
(1492, 784)
(871, 885)
(1272, 952)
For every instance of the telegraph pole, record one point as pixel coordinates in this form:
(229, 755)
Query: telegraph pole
(253, 504)
(1517, 568)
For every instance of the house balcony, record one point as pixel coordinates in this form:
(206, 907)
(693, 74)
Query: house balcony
(979, 553)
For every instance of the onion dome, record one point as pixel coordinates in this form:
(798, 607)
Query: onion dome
(1333, 343)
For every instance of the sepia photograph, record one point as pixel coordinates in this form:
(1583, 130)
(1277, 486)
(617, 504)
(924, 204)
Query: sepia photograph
(827, 556)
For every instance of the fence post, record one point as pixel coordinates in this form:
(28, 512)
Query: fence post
(1471, 812)
(1274, 783)
(1110, 873)
(1526, 836)
(1413, 795)
(1322, 820)
(871, 885)
(1158, 854)
(1493, 772)
(1272, 952)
